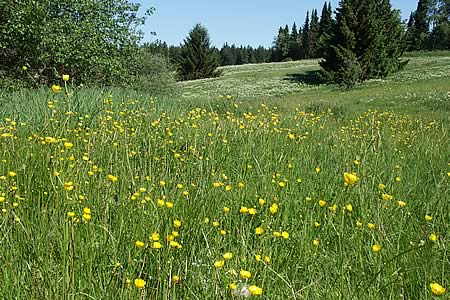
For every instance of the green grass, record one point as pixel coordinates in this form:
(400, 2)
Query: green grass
(211, 153)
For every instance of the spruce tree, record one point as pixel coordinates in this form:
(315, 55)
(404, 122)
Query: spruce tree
(440, 35)
(281, 47)
(421, 33)
(313, 36)
(197, 59)
(305, 34)
(365, 43)
(326, 20)
(294, 44)
(410, 33)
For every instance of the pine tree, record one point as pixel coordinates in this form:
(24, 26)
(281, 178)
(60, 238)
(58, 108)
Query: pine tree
(198, 59)
(440, 35)
(365, 43)
(281, 47)
(227, 56)
(410, 33)
(312, 41)
(325, 27)
(421, 31)
(326, 20)
(305, 34)
(294, 44)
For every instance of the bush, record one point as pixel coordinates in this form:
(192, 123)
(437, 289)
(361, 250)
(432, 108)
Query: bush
(94, 41)
(156, 75)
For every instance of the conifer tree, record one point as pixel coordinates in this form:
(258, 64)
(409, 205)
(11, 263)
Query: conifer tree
(365, 43)
(312, 41)
(294, 44)
(197, 59)
(326, 20)
(305, 34)
(421, 32)
(227, 55)
(281, 47)
(440, 35)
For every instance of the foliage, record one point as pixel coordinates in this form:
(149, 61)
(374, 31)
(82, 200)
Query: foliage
(197, 59)
(365, 43)
(428, 26)
(93, 41)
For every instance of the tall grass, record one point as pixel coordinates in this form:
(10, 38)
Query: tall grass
(86, 177)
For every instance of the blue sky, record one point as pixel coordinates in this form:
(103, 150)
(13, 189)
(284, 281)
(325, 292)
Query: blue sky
(246, 22)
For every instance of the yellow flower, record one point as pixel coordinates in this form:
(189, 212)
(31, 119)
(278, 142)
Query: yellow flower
(282, 184)
(232, 286)
(259, 230)
(317, 169)
(255, 291)
(401, 203)
(139, 283)
(276, 234)
(112, 178)
(398, 179)
(349, 207)
(274, 208)
(156, 245)
(177, 223)
(432, 237)
(387, 197)
(359, 224)
(428, 218)
(252, 211)
(175, 278)
(87, 210)
(24, 68)
(245, 274)
(155, 236)
(226, 209)
(322, 203)
(70, 214)
(316, 224)
(350, 178)
(12, 174)
(219, 264)
(228, 256)
(56, 88)
(285, 235)
(316, 242)
(87, 217)
(68, 145)
(381, 186)
(68, 186)
(437, 289)
(371, 226)
(376, 248)
(243, 210)
(139, 244)
(215, 224)
(65, 77)
(261, 201)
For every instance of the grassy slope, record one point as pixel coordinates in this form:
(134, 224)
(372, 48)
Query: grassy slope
(422, 87)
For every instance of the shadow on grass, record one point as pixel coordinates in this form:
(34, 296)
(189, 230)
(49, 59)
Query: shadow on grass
(309, 77)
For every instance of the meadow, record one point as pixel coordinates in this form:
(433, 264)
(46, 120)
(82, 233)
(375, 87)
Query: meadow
(262, 183)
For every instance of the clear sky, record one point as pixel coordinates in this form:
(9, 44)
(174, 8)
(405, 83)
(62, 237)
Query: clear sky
(246, 22)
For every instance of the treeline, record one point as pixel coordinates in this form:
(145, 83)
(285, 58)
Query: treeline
(428, 27)
(306, 41)
(226, 56)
